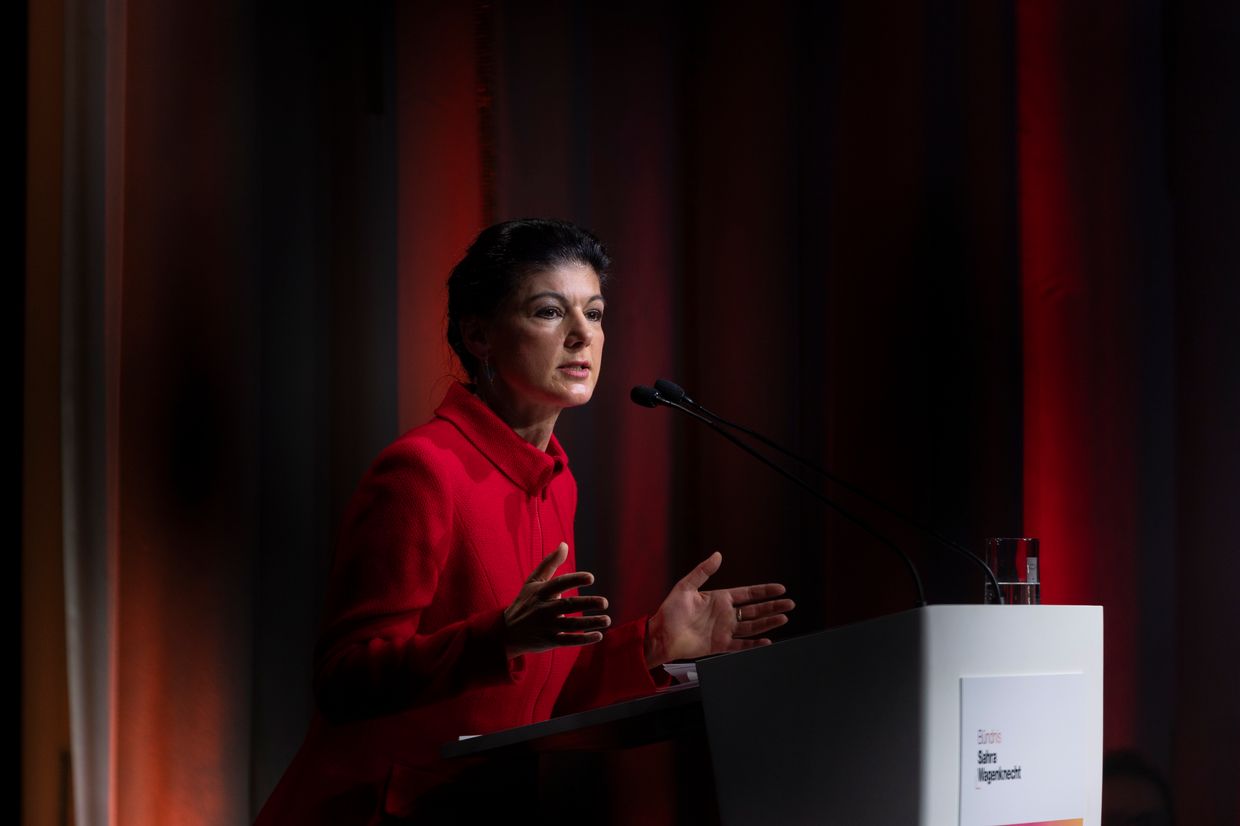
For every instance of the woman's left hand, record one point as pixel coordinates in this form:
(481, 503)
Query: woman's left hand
(693, 623)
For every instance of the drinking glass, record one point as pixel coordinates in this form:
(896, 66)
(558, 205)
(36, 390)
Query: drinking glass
(1015, 563)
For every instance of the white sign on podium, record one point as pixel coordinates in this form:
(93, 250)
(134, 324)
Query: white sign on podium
(1023, 746)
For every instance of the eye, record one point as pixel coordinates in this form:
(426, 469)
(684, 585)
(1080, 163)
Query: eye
(550, 311)
(594, 314)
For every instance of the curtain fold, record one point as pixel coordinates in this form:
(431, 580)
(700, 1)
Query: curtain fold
(93, 52)
(1097, 333)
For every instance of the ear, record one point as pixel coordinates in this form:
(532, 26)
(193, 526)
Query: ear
(474, 333)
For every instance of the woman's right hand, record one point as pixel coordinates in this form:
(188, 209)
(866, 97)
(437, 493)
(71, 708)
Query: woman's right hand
(536, 619)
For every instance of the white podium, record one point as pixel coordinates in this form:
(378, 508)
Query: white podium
(944, 715)
(949, 715)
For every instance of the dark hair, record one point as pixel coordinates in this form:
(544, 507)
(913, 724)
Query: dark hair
(498, 261)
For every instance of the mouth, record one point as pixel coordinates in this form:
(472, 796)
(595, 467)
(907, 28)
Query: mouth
(575, 369)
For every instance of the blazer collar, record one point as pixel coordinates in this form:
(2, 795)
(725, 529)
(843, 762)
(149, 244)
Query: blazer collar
(528, 467)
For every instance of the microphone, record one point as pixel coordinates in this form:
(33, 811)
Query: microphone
(671, 390)
(645, 396)
(651, 397)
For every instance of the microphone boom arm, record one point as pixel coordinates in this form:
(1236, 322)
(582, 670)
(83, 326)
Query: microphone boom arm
(842, 511)
(668, 390)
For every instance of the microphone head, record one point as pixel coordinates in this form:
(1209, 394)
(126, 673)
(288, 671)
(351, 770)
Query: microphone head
(645, 396)
(671, 391)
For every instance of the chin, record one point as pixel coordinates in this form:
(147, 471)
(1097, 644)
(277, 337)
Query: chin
(576, 396)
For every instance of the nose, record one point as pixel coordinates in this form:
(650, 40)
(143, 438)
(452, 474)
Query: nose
(580, 332)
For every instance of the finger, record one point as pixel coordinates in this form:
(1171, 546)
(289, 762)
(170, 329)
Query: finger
(578, 639)
(573, 605)
(749, 628)
(763, 609)
(755, 593)
(696, 578)
(552, 588)
(591, 623)
(550, 562)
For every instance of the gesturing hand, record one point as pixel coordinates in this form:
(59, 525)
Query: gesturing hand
(536, 619)
(693, 623)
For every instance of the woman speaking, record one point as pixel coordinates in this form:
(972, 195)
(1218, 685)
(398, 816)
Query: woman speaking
(452, 607)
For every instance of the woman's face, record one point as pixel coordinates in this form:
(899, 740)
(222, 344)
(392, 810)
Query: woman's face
(545, 345)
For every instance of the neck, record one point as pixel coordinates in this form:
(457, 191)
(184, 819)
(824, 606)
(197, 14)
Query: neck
(533, 423)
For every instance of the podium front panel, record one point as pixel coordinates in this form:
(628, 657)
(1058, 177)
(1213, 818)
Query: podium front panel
(861, 724)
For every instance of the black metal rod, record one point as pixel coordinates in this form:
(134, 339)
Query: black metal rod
(841, 510)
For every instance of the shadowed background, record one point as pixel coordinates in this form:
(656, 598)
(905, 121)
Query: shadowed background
(977, 257)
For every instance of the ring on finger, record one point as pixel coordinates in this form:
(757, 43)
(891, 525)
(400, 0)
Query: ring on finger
(739, 616)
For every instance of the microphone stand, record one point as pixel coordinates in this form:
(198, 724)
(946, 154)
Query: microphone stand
(669, 391)
(654, 398)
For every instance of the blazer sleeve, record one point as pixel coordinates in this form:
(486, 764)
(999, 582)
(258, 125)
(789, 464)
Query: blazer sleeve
(611, 671)
(372, 657)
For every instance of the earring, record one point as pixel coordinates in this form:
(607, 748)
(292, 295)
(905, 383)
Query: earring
(487, 372)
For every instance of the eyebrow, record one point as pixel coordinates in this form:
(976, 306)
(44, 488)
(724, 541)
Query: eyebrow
(563, 299)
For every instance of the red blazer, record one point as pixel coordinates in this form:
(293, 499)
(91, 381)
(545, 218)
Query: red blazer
(442, 532)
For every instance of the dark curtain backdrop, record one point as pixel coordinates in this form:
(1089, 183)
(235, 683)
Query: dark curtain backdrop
(976, 257)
